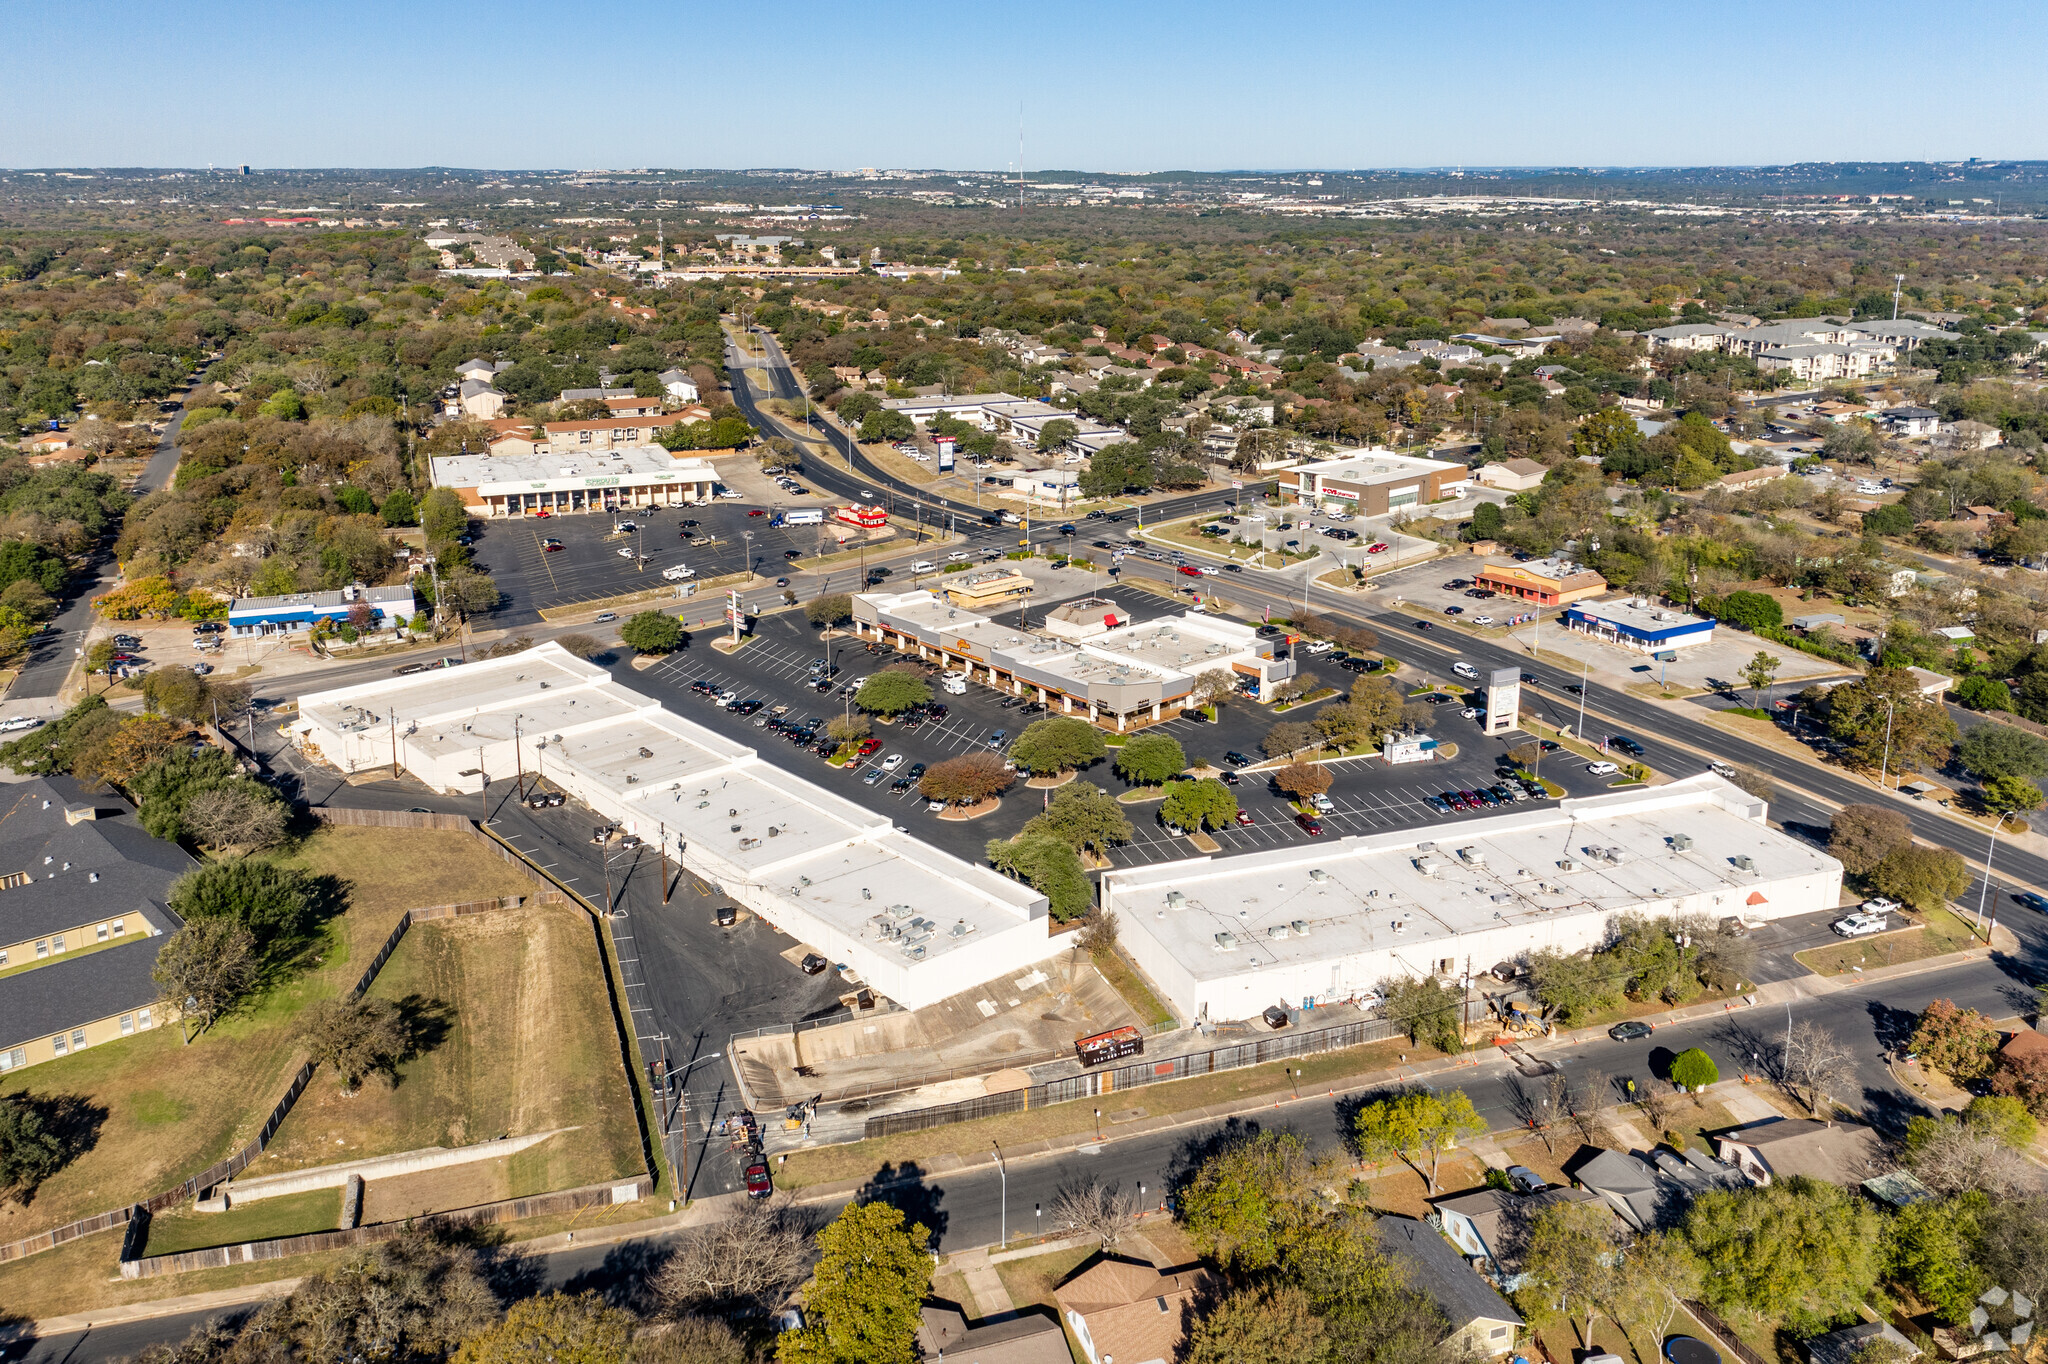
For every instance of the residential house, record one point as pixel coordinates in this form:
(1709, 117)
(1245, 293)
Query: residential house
(1912, 421)
(480, 400)
(1129, 1312)
(1848, 1344)
(607, 432)
(479, 368)
(1969, 435)
(514, 436)
(1514, 475)
(1482, 1322)
(84, 909)
(630, 406)
(52, 447)
(677, 384)
(1699, 336)
(1743, 479)
(1981, 518)
(1653, 1191)
(1503, 326)
(1031, 1337)
(1778, 1148)
(1492, 1225)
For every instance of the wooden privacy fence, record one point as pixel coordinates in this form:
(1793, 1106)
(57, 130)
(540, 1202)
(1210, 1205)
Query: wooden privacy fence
(511, 1210)
(388, 819)
(1110, 1079)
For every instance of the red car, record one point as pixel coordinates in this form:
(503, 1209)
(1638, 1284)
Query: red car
(868, 746)
(756, 512)
(1310, 825)
(543, 513)
(1191, 570)
(759, 1185)
(1244, 817)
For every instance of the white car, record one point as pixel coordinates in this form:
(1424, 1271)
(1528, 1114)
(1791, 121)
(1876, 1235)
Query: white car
(1471, 712)
(924, 566)
(958, 556)
(892, 762)
(935, 807)
(19, 722)
(1319, 646)
(1482, 620)
(625, 551)
(1602, 769)
(678, 573)
(1858, 925)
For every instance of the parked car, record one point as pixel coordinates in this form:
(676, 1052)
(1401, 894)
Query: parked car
(1630, 1031)
(1858, 925)
(1310, 825)
(1602, 769)
(759, 1183)
(1244, 818)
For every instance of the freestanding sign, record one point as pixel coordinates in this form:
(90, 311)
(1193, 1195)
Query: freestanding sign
(1503, 700)
(733, 614)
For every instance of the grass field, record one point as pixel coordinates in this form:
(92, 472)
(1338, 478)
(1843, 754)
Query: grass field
(1124, 978)
(520, 1041)
(291, 1215)
(148, 1111)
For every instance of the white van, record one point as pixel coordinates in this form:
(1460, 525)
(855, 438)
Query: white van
(807, 516)
(924, 566)
(1465, 670)
(953, 684)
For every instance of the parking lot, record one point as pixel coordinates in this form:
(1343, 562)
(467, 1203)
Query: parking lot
(774, 669)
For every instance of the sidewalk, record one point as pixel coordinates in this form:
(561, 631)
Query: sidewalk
(981, 1278)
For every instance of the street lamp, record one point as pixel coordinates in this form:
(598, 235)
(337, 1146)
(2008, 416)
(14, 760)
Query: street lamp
(1890, 708)
(1004, 1171)
(1985, 889)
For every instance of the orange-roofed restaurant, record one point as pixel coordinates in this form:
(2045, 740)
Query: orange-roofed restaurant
(1541, 582)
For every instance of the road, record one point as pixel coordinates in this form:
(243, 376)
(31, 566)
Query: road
(970, 1208)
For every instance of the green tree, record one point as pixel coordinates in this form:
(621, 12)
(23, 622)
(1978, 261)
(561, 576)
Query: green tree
(163, 789)
(1573, 986)
(1979, 692)
(1887, 724)
(1928, 1246)
(892, 691)
(2011, 795)
(1652, 1282)
(1056, 433)
(1989, 751)
(29, 1151)
(275, 903)
(1894, 519)
(1059, 743)
(1486, 522)
(1608, 433)
(399, 509)
(1246, 1202)
(1759, 672)
(1257, 1326)
(1861, 836)
(558, 1328)
(831, 610)
(1751, 610)
(1081, 816)
(1693, 1069)
(1924, 878)
(651, 632)
(887, 424)
(1428, 1010)
(1150, 759)
(442, 515)
(355, 1038)
(2003, 1117)
(1795, 1243)
(1960, 1043)
(1571, 1253)
(1193, 805)
(1415, 1122)
(1049, 866)
(866, 1298)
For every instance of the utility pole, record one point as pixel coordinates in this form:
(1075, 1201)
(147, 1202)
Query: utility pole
(518, 758)
(662, 843)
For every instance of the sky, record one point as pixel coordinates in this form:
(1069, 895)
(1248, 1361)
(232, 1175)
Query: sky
(1109, 85)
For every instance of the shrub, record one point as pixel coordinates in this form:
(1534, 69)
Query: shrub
(964, 780)
(651, 632)
(1693, 1069)
(1960, 1043)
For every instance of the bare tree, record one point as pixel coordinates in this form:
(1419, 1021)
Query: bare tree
(1098, 931)
(1585, 1100)
(1816, 1065)
(1655, 1105)
(1104, 1211)
(239, 815)
(204, 969)
(1957, 1158)
(744, 1264)
(1557, 1102)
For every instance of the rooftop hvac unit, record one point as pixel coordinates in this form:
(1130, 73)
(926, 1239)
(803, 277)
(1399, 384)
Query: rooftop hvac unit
(1300, 928)
(1318, 875)
(1681, 842)
(1429, 866)
(1175, 900)
(1473, 856)
(1400, 925)
(960, 929)
(1744, 861)
(1277, 931)
(1567, 864)
(1226, 942)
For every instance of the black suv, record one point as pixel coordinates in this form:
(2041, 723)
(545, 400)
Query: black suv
(1626, 745)
(1237, 759)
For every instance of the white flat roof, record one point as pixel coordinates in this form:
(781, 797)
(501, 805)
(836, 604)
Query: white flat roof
(1640, 616)
(1372, 465)
(596, 466)
(1452, 879)
(737, 815)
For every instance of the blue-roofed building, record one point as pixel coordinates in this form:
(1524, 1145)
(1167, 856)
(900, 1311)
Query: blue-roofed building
(1635, 623)
(296, 611)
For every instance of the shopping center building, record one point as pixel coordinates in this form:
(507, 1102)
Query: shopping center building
(1541, 582)
(600, 479)
(1373, 482)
